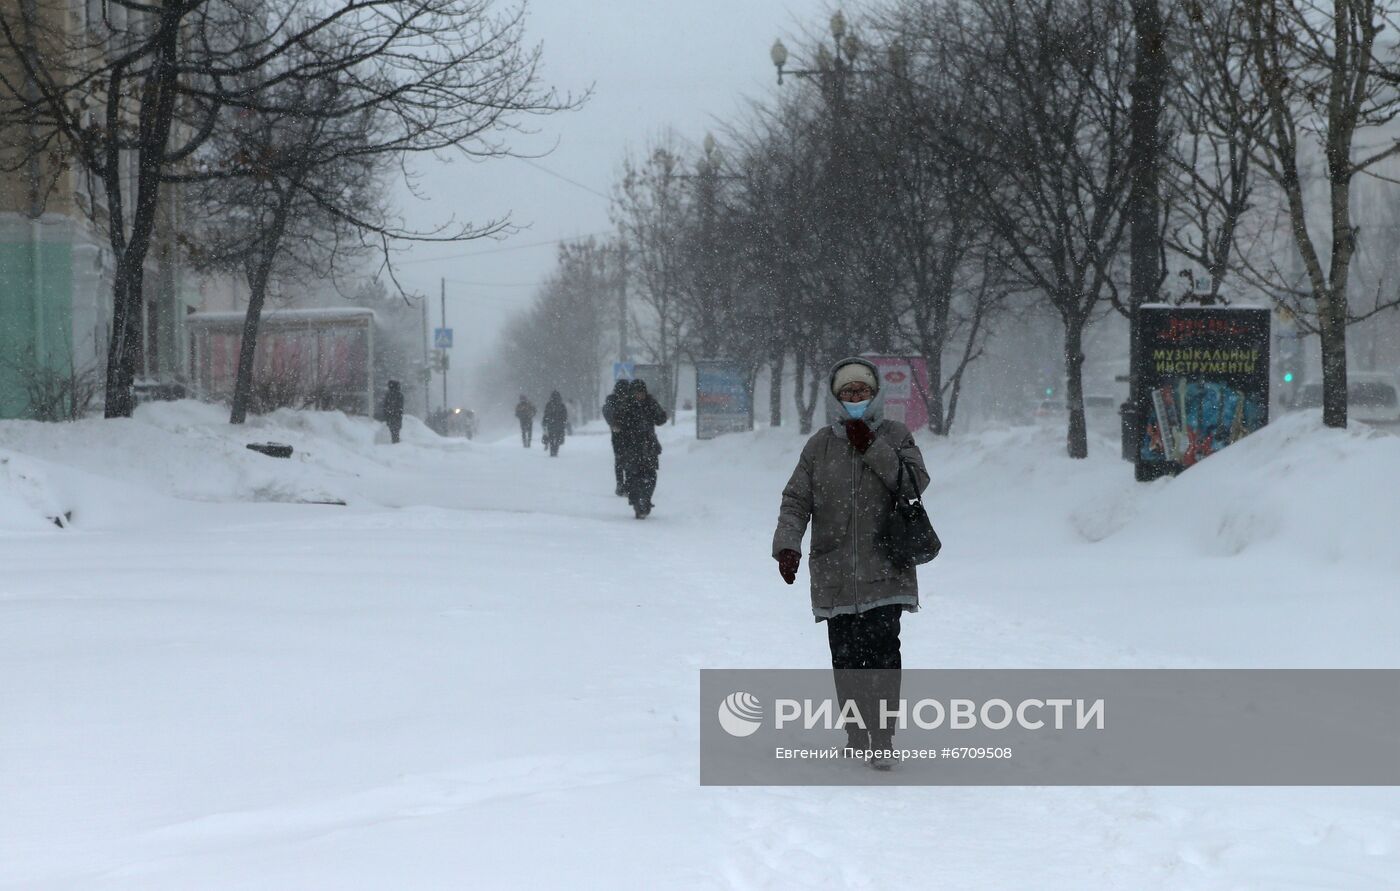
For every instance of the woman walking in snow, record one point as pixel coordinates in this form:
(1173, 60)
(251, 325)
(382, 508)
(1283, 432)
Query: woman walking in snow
(553, 422)
(610, 407)
(525, 414)
(637, 416)
(843, 486)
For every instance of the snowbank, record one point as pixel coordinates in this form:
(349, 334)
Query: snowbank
(188, 450)
(1294, 490)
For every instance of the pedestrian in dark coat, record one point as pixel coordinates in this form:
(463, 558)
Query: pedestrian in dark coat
(843, 485)
(553, 422)
(621, 389)
(638, 416)
(393, 410)
(525, 414)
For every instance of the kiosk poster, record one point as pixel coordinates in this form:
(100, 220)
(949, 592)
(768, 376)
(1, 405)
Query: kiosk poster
(904, 380)
(723, 403)
(1205, 379)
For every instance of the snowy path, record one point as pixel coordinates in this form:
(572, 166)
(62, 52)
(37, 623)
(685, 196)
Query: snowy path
(494, 685)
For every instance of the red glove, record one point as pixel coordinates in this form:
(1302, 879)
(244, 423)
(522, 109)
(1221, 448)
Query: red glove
(859, 435)
(788, 561)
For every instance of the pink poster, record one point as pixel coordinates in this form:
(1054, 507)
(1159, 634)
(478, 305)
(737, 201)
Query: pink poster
(904, 381)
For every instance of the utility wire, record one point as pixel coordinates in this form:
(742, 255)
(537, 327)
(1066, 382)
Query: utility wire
(501, 250)
(560, 176)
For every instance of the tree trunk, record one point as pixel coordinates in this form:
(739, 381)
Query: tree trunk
(798, 388)
(814, 397)
(937, 420)
(775, 389)
(157, 112)
(807, 392)
(1077, 439)
(257, 295)
(126, 336)
(247, 347)
(1144, 154)
(1332, 331)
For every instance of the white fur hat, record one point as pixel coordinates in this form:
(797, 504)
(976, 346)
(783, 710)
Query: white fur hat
(853, 371)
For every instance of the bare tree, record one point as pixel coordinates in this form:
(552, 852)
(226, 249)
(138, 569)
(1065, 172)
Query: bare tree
(558, 344)
(1054, 131)
(932, 201)
(1324, 78)
(145, 89)
(280, 192)
(1216, 109)
(782, 252)
(652, 207)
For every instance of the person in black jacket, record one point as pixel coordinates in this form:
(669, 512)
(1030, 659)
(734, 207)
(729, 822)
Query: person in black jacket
(525, 414)
(393, 410)
(555, 419)
(638, 416)
(621, 389)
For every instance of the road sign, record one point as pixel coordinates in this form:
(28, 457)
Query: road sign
(442, 338)
(624, 371)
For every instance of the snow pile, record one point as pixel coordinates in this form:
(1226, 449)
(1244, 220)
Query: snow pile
(188, 450)
(27, 503)
(1295, 489)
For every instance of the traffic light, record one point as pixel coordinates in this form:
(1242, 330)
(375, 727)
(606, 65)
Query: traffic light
(1049, 391)
(1288, 377)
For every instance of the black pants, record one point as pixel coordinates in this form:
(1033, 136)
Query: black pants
(552, 440)
(619, 463)
(394, 427)
(526, 429)
(865, 662)
(642, 468)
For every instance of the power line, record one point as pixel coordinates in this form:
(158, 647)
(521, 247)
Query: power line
(501, 250)
(560, 176)
(459, 281)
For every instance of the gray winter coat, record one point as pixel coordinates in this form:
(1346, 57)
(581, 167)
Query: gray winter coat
(847, 498)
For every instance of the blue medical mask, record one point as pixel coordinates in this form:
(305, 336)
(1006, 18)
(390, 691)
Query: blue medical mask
(857, 409)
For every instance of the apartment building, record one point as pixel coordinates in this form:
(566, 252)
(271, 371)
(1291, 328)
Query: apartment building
(56, 264)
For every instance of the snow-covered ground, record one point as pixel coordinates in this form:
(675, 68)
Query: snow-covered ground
(482, 672)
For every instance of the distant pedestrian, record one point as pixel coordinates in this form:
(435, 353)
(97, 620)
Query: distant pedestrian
(553, 423)
(638, 415)
(621, 389)
(525, 414)
(843, 485)
(393, 410)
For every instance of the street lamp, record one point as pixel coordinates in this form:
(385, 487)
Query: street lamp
(841, 62)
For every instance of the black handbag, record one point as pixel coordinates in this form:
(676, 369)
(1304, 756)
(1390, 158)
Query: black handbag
(907, 538)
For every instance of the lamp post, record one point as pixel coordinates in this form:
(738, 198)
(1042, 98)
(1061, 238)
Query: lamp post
(834, 65)
(708, 174)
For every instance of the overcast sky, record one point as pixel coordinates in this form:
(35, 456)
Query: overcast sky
(652, 64)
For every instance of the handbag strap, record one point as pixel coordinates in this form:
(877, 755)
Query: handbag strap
(899, 483)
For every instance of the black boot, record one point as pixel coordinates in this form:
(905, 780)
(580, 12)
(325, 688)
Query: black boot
(857, 743)
(880, 746)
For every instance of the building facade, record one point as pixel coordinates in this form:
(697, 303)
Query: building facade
(56, 263)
